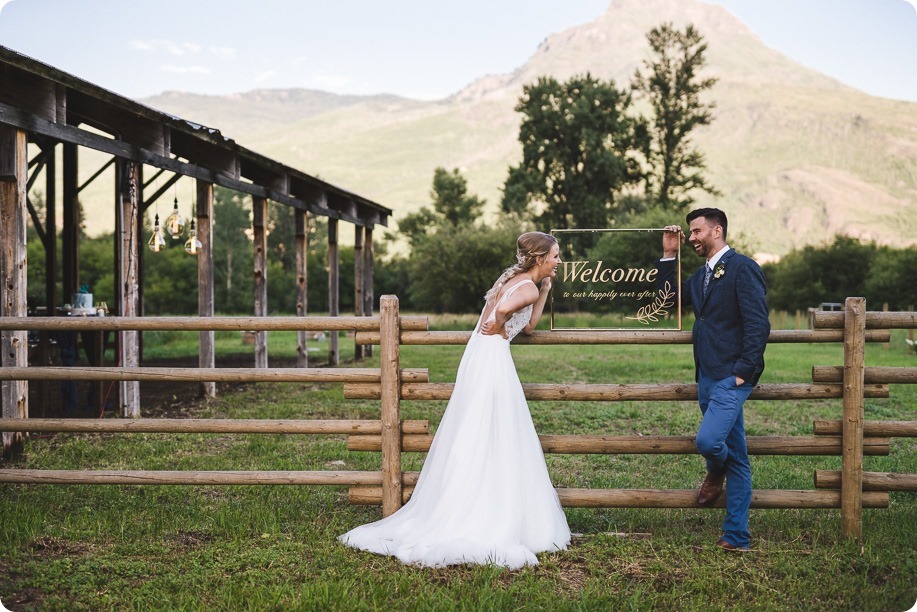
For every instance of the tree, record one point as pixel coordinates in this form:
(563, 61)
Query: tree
(891, 279)
(232, 252)
(845, 267)
(452, 207)
(579, 149)
(672, 85)
(453, 259)
(450, 271)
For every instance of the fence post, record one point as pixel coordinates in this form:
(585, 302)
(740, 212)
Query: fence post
(391, 403)
(852, 429)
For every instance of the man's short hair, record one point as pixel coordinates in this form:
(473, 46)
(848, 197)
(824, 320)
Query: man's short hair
(712, 215)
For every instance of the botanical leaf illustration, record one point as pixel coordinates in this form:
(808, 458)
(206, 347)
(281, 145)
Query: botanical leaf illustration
(652, 312)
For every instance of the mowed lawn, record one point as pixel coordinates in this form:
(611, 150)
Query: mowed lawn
(273, 547)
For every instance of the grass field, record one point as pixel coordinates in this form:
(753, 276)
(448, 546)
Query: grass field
(273, 547)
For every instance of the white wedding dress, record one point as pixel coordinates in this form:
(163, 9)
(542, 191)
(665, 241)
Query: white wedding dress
(484, 495)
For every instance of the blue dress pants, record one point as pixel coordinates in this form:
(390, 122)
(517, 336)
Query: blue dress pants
(721, 441)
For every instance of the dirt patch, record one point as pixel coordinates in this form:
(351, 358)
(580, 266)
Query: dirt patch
(188, 540)
(58, 547)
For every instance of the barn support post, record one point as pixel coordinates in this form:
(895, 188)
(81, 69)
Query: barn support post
(70, 239)
(259, 227)
(206, 351)
(13, 344)
(334, 266)
(357, 283)
(302, 284)
(368, 280)
(127, 285)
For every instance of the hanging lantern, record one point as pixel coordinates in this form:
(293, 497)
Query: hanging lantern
(193, 245)
(157, 240)
(175, 224)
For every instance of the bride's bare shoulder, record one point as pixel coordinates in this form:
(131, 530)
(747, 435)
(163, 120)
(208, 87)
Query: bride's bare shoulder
(524, 287)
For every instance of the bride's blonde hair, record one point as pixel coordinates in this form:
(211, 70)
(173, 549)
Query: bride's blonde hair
(529, 247)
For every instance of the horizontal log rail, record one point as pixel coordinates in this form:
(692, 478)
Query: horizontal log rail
(621, 392)
(189, 477)
(322, 375)
(643, 445)
(267, 426)
(661, 498)
(873, 374)
(824, 319)
(888, 429)
(77, 323)
(586, 336)
(872, 481)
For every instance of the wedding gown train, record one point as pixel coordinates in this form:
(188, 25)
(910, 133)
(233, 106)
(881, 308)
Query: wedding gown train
(484, 495)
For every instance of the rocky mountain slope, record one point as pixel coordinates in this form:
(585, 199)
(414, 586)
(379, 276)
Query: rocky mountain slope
(798, 156)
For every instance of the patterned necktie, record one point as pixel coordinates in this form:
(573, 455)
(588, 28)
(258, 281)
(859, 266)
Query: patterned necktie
(707, 273)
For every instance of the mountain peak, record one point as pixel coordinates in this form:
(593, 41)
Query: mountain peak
(614, 45)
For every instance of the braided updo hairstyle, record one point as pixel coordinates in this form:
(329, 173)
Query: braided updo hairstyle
(529, 247)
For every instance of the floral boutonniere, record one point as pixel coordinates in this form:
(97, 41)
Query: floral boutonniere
(719, 270)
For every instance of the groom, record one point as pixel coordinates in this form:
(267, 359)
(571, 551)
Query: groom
(729, 336)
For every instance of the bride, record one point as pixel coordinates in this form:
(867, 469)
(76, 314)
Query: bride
(484, 495)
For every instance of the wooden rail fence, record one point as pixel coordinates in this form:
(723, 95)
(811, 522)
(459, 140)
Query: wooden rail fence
(851, 488)
(850, 437)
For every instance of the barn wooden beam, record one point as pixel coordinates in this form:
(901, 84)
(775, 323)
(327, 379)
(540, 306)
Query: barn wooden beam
(96, 174)
(212, 168)
(147, 202)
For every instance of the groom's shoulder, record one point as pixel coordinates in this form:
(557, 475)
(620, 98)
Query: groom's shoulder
(744, 260)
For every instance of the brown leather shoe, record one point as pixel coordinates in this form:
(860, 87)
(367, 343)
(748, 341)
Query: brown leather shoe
(729, 547)
(710, 489)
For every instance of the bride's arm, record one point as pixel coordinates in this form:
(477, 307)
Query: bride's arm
(538, 308)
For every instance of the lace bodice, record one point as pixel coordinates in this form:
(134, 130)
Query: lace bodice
(520, 318)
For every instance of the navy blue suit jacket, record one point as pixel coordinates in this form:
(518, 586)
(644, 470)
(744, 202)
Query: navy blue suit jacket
(731, 323)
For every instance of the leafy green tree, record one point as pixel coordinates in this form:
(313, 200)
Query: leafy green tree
(451, 199)
(453, 258)
(233, 256)
(891, 279)
(170, 285)
(451, 271)
(579, 150)
(416, 226)
(672, 85)
(452, 207)
(830, 273)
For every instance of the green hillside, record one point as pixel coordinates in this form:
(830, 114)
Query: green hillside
(797, 155)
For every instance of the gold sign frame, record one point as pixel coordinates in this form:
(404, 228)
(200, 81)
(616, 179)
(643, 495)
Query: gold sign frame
(642, 317)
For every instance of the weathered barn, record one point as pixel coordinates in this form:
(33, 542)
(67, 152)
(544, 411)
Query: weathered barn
(61, 114)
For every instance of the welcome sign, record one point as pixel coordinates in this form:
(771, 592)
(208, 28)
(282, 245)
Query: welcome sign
(608, 280)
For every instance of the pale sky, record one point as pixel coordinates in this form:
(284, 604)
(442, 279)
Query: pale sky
(414, 48)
